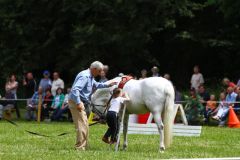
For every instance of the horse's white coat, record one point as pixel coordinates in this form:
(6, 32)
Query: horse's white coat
(155, 95)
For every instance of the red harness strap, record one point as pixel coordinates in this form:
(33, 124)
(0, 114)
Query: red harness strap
(124, 80)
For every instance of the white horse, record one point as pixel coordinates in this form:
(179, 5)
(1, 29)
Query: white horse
(155, 95)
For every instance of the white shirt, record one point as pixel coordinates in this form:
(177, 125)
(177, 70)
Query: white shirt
(116, 103)
(66, 98)
(196, 80)
(57, 101)
(56, 84)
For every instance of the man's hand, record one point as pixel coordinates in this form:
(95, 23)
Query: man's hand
(112, 84)
(80, 107)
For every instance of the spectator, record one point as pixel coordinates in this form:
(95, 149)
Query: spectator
(237, 104)
(103, 77)
(33, 105)
(223, 110)
(6, 107)
(105, 69)
(11, 92)
(57, 102)
(167, 76)
(143, 74)
(155, 71)
(222, 107)
(64, 108)
(228, 83)
(210, 108)
(57, 83)
(197, 78)
(231, 96)
(45, 82)
(29, 85)
(203, 94)
(47, 103)
(194, 108)
(238, 83)
(178, 96)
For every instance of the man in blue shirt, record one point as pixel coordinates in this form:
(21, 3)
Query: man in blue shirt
(79, 98)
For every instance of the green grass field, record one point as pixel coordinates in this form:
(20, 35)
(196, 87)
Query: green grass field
(17, 144)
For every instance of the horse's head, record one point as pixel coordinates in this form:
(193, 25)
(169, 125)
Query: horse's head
(100, 97)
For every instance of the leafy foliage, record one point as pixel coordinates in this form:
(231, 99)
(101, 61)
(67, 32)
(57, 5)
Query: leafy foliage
(66, 35)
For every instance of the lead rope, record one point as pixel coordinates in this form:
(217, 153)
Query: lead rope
(108, 106)
(39, 134)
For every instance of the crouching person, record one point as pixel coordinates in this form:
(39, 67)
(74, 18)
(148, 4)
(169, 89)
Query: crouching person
(33, 105)
(64, 109)
(117, 101)
(210, 108)
(46, 107)
(57, 103)
(222, 110)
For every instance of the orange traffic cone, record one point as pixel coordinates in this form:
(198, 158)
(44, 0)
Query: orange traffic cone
(233, 121)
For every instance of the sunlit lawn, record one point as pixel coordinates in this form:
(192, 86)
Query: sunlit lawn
(17, 144)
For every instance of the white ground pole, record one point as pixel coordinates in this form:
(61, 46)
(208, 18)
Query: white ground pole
(235, 158)
(121, 124)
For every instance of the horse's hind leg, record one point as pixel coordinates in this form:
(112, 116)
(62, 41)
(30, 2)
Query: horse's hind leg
(158, 120)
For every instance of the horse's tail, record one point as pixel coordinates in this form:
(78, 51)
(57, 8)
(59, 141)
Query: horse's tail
(168, 115)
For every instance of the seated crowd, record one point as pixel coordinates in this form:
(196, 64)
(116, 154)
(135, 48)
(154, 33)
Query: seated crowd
(200, 105)
(54, 102)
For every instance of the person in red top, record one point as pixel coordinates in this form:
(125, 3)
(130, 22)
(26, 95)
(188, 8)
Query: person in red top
(228, 83)
(46, 107)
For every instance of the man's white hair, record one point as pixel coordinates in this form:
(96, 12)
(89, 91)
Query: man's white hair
(97, 65)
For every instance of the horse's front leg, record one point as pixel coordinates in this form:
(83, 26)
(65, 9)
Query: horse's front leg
(158, 121)
(125, 130)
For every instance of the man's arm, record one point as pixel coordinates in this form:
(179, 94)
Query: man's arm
(104, 85)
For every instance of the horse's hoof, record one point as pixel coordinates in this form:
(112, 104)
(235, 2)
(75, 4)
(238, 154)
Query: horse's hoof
(124, 147)
(162, 149)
